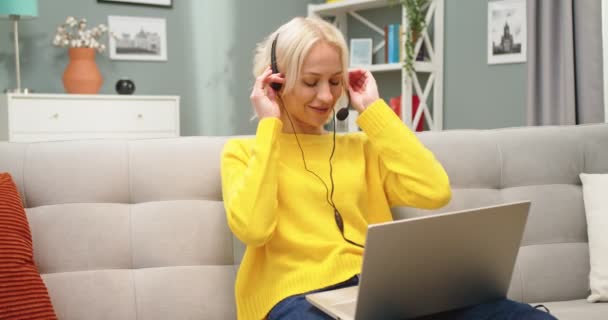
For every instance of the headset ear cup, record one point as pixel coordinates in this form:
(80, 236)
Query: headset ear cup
(276, 86)
(274, 65)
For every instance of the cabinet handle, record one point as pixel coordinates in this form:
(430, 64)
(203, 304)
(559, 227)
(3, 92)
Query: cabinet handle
(55, 116)
(140, 116)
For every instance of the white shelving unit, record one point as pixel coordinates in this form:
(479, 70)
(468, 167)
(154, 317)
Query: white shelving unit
(409, 85)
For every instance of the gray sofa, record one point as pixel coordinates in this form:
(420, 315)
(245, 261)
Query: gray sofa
(136, 229)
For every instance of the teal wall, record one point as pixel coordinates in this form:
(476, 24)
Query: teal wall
(224, 39)
(42, 65)
(210, 52)
(478, 95)
(210, 46)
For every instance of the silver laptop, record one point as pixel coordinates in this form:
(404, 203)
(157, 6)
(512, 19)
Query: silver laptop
(426, 265)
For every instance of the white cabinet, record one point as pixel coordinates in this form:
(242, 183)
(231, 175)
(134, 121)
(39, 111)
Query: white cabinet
(430, 92)
(53, 117)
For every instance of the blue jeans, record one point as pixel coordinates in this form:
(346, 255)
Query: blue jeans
(297, 308)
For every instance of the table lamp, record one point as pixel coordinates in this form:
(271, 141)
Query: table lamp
(15, 10)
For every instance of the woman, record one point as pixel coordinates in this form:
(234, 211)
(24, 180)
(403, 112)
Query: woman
(301, 198)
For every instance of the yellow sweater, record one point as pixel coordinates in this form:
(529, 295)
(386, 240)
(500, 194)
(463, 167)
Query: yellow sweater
(279, 210)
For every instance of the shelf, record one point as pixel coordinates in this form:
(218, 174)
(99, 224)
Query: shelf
(423, 66)
(333, 8)
(381, 67)
(419, 66)
(430, 90)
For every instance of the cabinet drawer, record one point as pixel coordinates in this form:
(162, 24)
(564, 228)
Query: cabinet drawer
(53, 116)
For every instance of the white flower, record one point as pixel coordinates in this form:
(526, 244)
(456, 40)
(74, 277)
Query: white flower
(74, 34)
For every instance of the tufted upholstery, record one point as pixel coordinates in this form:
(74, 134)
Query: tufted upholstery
(128, 229)
(541, 164)
(136, 229)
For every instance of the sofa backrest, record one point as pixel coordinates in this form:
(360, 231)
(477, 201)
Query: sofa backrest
(128, 229)
(136, 229)
(541, 164)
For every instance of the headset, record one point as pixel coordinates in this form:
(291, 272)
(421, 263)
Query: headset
(341, 115)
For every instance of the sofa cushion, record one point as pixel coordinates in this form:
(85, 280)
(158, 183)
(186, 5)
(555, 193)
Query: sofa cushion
(551, 272)
(180, 233)
(12, 162)
(88, 236)
(76, 171)
(149, 260)
(95, 294)
(595, 188)
(577, 310)
(541, 164)
(187, 292)
(22, 292)
(185, 168)
(97, 236)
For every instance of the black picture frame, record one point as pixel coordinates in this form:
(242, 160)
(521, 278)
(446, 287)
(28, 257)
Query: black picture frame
(149, 3)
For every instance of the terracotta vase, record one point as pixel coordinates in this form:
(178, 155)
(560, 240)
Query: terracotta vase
(81, 74)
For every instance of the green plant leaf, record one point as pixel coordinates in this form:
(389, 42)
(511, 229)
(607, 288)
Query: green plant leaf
(415, 25)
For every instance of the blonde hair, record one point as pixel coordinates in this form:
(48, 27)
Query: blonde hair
(295, 40)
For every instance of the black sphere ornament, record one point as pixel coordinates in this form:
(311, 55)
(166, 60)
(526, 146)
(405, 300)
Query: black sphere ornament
(125, 86)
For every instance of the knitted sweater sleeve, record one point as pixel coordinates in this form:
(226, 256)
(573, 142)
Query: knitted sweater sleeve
(249, 184)
(410, 174)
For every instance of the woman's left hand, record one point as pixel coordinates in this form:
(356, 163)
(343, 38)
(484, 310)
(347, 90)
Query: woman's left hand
(362, 89)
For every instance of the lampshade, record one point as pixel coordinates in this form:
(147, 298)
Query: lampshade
(22, 8)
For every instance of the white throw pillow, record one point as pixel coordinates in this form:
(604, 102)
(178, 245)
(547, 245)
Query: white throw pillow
(595, 195)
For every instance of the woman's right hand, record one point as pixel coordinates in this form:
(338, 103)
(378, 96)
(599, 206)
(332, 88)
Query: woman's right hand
(263, 97)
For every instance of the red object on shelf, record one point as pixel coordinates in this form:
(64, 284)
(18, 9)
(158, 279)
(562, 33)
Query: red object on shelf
(395, 104)
(415, 105)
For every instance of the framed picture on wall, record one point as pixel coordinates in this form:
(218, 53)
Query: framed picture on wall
(156, 3)
(138, 38)
(506, 31)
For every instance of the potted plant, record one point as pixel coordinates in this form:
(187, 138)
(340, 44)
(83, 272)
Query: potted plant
(414, 10)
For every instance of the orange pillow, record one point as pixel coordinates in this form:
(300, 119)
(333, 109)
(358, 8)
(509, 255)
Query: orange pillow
(23, 295)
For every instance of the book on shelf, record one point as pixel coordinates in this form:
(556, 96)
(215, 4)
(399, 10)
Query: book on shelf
(386, 44)
(400, 42)
(392, 43)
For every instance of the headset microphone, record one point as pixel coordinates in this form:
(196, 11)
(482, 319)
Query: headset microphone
(342, 114)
